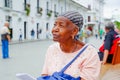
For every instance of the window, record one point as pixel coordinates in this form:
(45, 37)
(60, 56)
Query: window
(26, 4)
(47, 5)
(47, 26)
(37, 6)
(89, 7)
(89, 19)
(8, 18)
(55, 12)
(55, 7)
(8, 3)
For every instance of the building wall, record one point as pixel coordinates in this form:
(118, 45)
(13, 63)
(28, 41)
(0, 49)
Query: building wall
(34, 20)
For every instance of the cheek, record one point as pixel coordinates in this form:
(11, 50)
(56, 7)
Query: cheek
(65, 34)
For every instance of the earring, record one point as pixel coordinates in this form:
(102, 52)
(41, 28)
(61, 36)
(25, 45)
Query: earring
(73, 37)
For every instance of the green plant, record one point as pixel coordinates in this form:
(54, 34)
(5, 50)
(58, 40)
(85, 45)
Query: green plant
(49, 13)
(40, 11)
(117, 23)
(27, 9)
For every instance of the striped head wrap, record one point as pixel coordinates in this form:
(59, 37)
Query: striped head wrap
(75, 17)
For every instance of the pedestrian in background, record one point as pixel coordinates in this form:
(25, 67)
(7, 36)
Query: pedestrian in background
(96, 34)
(5, 38)
(101, 33)
(105, 50)
(20, 35)
(32, 34)
(86, 66)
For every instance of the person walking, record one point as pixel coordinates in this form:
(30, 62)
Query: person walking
(5, 38)
(105, 52)
(96, 34)
(32, 34)
(20, 35)
(101, 33)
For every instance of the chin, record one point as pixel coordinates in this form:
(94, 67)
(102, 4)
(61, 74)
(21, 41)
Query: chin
(56, 40)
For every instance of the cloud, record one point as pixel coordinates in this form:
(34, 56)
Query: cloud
(110, 7)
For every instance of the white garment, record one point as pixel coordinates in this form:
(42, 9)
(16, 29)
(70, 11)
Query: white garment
(87, 65)
(4, 30)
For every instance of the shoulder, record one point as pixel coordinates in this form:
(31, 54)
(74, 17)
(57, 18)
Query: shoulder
(91, 50)
(53, 50)
(91, 47)
(53, 47)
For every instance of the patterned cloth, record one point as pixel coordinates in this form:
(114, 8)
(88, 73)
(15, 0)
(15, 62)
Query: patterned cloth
(74, 17)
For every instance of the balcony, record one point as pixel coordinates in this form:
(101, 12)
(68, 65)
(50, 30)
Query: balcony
(27, 9)
(49, 13)
(7, 5)
(56, 14)
(39, 11)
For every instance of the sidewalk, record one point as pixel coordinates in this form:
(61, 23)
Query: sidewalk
(95, 42)
(25, 41)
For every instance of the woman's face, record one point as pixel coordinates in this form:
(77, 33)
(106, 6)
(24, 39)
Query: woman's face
(63, 30)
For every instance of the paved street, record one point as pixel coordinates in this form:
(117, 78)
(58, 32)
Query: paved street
(28, 58)
(25, 57)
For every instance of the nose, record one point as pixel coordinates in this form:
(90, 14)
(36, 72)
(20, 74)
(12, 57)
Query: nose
(55, 29)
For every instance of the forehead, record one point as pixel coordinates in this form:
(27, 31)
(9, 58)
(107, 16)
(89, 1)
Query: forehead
(62, 19)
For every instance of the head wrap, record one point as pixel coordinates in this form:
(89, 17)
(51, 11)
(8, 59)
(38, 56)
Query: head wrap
(75, 17)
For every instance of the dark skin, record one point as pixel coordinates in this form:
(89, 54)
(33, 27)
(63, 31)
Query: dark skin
(63, 32)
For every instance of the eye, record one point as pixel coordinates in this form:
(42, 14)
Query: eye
(62, 26)
(54, 24)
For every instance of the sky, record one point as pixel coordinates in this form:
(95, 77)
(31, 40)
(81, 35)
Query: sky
(111, 7)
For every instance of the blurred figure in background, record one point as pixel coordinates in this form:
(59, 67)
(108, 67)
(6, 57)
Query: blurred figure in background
(32, 34)
(5, 38)
(106, 52)
(101, 33)
(20, 35)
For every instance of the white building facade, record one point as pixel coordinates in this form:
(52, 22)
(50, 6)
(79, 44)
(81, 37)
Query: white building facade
(94, 19)
(95, 15)
(36, 14)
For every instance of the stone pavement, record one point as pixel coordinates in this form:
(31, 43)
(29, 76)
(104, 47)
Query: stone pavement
(95, 42)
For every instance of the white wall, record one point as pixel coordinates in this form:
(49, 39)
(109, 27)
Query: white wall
(19, 17)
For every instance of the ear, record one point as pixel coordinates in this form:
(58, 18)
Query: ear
(75, 31)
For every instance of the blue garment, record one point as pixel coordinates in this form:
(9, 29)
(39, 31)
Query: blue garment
(110, 36)
(5, 49)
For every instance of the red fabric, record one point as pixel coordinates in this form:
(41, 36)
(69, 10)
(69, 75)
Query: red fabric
(101, 49)
(112, 50)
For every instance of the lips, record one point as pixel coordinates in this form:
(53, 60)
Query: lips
(55, 36)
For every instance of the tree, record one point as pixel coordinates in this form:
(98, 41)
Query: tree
(117, 23)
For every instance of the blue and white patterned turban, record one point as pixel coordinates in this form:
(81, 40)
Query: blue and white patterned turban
(75, 17)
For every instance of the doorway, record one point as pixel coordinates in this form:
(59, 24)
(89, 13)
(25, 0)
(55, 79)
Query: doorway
(25, 30)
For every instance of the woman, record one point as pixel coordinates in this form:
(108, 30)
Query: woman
(65, 29)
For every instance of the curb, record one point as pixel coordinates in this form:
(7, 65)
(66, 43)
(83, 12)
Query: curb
(25, 41)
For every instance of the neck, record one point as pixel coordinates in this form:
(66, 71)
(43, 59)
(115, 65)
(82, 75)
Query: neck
(69, 46)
